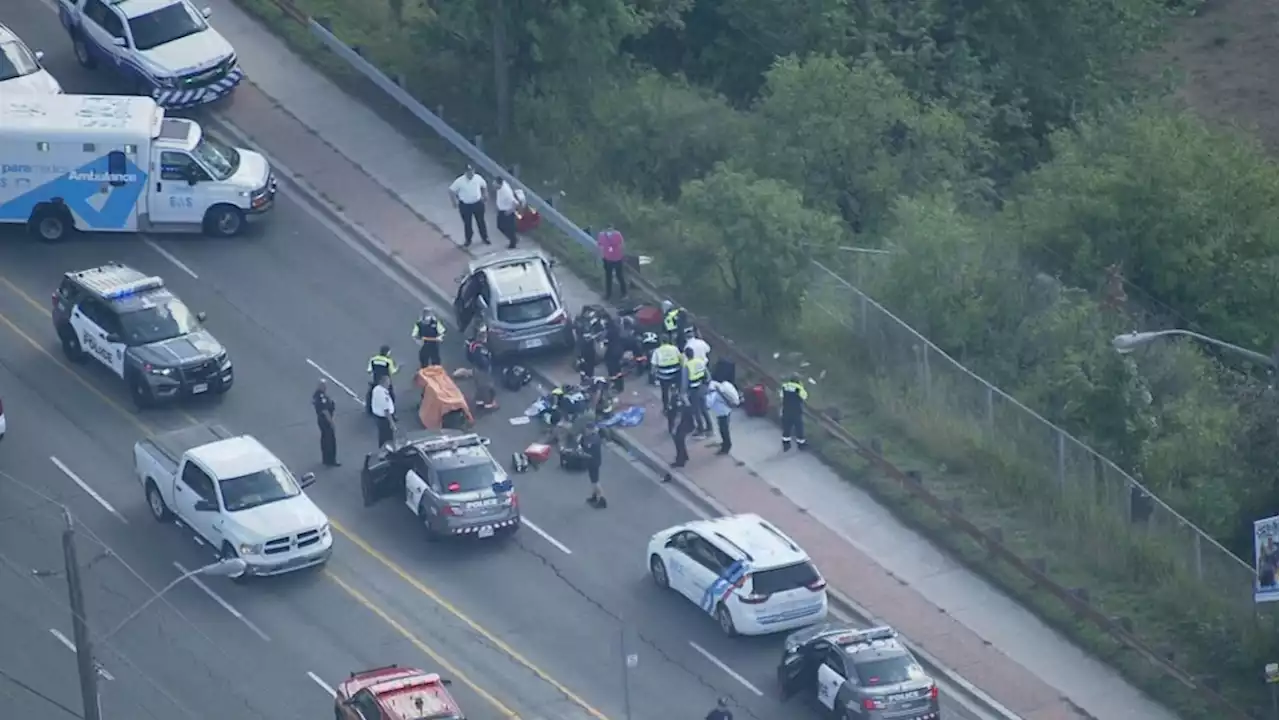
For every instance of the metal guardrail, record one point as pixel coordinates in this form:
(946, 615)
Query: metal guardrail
(912, 484)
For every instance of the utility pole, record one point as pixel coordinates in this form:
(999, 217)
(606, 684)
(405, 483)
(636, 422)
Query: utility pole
(501, 69)
(80, 628)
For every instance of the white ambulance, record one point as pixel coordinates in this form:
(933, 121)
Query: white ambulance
(117, 164)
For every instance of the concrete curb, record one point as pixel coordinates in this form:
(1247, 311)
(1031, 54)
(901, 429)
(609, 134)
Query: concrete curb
(961, 690)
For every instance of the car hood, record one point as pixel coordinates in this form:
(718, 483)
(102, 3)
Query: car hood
(180, 351)
(190, 54)
(39, 82)
(253, 172)
(283, 517)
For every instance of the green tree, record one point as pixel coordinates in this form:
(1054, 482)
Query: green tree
(854, 139)
(752, 235)
(1187, 212)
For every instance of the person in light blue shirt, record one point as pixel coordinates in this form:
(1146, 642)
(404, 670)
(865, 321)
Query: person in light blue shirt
(720, 407)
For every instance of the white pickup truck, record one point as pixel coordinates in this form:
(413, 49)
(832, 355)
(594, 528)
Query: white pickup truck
(235, 495)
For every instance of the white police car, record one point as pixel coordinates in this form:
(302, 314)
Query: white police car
(165, 49)
(20, 68)
(741, 570)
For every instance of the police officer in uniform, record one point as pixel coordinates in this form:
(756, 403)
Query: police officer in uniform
(695, 387)
(380, 366)
(674, 322)
(325, 408)
(682, 414)
(666, 366)
(794, 396)
(429, 332)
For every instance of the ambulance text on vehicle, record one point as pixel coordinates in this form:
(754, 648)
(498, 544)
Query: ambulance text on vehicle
(164, 49)
(118, 164)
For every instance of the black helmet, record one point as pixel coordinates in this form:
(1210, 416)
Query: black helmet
(384, 350)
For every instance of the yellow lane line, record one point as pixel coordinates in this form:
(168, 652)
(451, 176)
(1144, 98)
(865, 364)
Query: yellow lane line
(448, 667)
(475, 626)
(359, 542)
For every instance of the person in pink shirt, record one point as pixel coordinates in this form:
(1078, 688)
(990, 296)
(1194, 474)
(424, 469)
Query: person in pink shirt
(612, 253)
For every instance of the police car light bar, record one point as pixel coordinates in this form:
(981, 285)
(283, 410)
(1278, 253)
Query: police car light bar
(133, 288)
(452, 442)
(867, 636)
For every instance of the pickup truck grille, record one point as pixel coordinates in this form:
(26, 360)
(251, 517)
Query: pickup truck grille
(291, 542)
(210, 75)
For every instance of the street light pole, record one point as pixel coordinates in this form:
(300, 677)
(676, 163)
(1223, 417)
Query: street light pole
(228, 567)
(1128, 342)
(80, 629)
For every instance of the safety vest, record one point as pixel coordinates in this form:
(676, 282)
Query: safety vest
(666, 361)
(672, 320)
(432, 331)
(793, 396)
(696, 368)
(380, 365)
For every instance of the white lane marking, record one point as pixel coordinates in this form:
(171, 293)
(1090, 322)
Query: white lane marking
(66, 642)
(170, 257)
(336, 381)
(225, 605)
(85, 487)
(323, 685)
(545, 535)
(728, 670)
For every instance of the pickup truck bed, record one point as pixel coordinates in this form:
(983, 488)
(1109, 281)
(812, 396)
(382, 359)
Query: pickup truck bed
(168, 448)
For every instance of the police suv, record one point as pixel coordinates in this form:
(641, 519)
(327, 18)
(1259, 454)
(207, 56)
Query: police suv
(165, 49)
(131, 323)
(857, 674)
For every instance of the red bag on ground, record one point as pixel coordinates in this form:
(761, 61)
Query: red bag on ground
(756, 401)
(527, 219)
(648, 316)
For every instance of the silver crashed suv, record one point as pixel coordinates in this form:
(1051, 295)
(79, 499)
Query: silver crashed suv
(449, 480)
(515, 295)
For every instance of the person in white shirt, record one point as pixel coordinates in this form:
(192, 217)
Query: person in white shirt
(467, 194)
(505, 199)
(699, 347)
(384, 410)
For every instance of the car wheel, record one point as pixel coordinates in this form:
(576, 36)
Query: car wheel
(726, 620)
(658, 570)
(224, 221)
(50, 224)
(82, 53)
(156, 503)
(71, 346)
(141, 394)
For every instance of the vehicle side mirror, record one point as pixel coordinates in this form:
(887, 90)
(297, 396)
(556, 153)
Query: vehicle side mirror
(118, 41)
(446, 682)
(39, 55)
(206, 506)
(485, 440)
(207, 13)
(307, 480)
(201, 316)
(551, 262)
(113, 338)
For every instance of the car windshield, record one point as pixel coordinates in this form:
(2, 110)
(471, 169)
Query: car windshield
(16, 61)
(259, 488)
(221, 159)
(468, 478)
(158, 321)
(887, 671)
(789, 577)
(526, 311)
(165, 25)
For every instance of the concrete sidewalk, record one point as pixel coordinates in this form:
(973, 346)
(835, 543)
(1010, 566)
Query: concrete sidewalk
(382, 183)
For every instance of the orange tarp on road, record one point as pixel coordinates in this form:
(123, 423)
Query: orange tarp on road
(440, 396)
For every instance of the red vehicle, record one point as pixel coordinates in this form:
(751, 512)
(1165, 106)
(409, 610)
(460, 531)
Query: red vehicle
(395, 693)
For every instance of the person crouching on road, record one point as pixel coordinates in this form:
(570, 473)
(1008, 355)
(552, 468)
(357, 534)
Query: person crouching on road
(429, 332)
(593, 446)
(384, 411)
(793, 396)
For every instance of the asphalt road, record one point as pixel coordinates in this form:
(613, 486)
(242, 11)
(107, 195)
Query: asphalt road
(538, 626)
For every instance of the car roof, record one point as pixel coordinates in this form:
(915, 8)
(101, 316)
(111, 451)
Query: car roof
(751, 538)
(134, 8)
(123, 288)
(413, 696)
(234, 457)
(518, 280)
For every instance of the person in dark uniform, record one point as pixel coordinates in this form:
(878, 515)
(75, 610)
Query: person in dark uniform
(380, 365)
(325, 408)
(587, 358)
(429, 332)
(593, 446)
(793, 395)
(683, 426)
(615, 347)
(720, 711)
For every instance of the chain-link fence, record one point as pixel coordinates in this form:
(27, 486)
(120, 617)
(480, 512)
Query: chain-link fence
(1076, 498)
